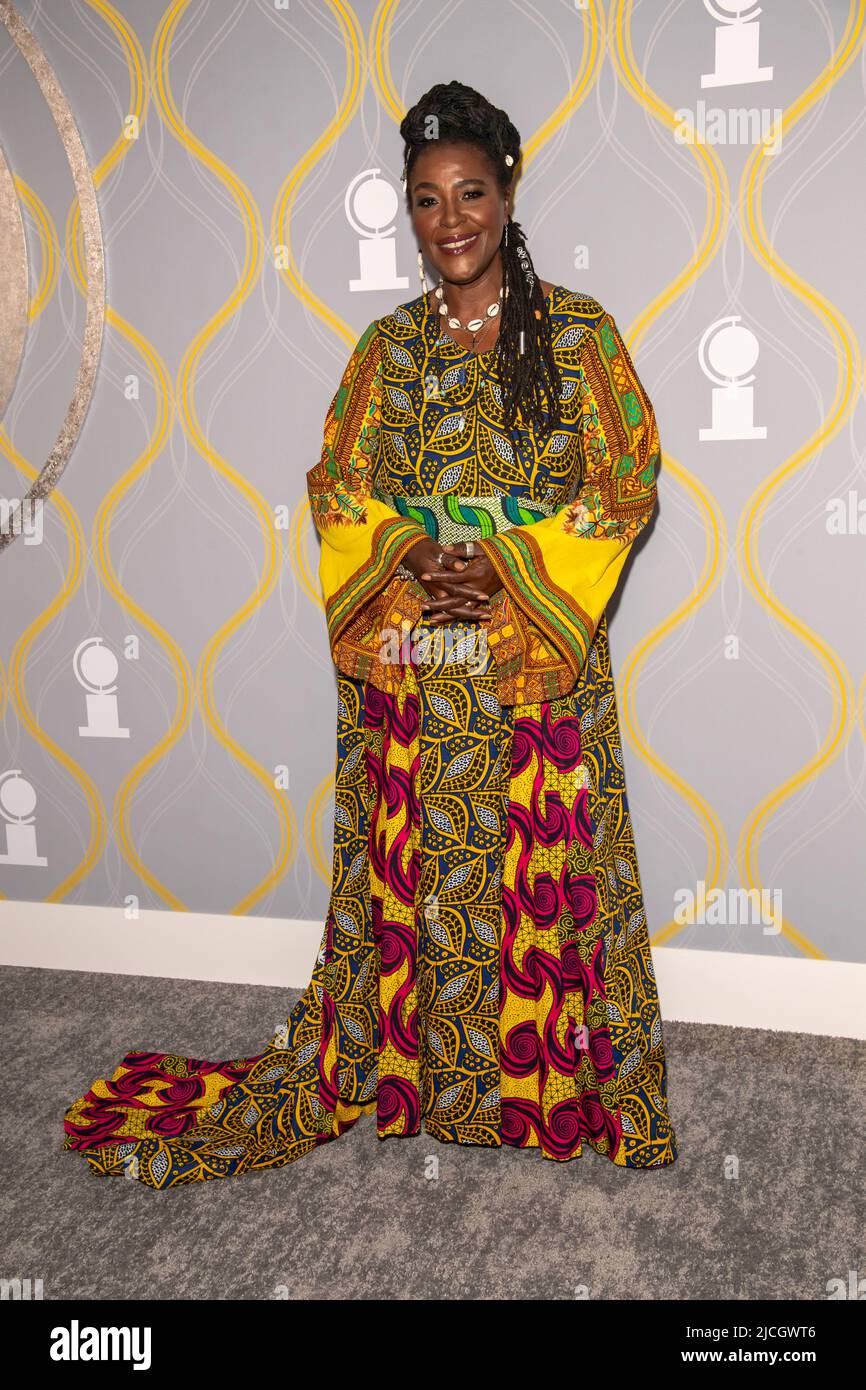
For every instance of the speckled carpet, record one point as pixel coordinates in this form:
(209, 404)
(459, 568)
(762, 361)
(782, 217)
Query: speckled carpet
(358, 1218)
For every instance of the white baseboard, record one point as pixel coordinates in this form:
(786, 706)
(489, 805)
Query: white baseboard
(790, 994)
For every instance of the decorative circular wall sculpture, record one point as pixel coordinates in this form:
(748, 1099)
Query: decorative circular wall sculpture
(13, 266)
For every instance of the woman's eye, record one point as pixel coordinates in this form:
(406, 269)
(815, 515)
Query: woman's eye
(470, 193)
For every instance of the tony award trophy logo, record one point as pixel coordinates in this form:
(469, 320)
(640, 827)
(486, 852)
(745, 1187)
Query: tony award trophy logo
(737, 42)
(732, 351)
(370, 207)
(96, 668)
(17, 802)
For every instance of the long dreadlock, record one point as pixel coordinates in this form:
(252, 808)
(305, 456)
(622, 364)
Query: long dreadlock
(527, 366)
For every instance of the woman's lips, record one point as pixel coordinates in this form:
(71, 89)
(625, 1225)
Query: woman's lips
(465, 244)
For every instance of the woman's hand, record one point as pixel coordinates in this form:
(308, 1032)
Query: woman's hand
(460, 587)
(423, 559)
(439, 569)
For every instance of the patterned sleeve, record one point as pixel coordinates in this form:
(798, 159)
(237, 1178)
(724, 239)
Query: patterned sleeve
(559, 573)
(363, 540)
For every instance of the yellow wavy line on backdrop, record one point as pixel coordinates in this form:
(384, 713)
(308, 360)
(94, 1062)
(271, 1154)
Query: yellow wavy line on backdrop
(47, 242)
(711, 168)
(281, 215)
(716, 546)
(298, 551)
(39, 299)
(183, 676)
(46, 236)
(130, 47)
(844, 402)
(718, 204)
(300, 528)
(861, 697)
(187, 373)
(120, 149)
(587, 74)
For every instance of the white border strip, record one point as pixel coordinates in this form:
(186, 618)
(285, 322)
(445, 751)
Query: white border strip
(790, 994)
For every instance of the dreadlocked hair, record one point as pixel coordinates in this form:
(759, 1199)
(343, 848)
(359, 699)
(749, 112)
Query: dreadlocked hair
(454, 113)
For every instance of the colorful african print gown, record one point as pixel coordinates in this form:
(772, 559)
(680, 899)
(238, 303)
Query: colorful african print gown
(485, 972)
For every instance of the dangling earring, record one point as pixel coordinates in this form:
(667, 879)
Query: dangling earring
(506, 231)
(425, 288)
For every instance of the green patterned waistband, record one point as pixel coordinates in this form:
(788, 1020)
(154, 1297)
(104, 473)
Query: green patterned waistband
(450, 517)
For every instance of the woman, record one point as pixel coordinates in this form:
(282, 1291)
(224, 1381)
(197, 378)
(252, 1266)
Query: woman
(485, 971)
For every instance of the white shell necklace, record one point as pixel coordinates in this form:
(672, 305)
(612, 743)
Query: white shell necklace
(474, 326)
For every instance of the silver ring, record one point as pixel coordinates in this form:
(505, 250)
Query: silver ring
(440, 557)
(470, 549)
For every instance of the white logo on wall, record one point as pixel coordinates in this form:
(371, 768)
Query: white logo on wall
(370, 206)
(96, 668)
(17, 804)
(736, 64)
(731, 353)
(737, 44)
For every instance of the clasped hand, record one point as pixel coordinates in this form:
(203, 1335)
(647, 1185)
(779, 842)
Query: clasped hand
(459, 587)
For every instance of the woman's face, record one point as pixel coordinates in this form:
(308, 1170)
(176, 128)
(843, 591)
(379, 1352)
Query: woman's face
(454, 195)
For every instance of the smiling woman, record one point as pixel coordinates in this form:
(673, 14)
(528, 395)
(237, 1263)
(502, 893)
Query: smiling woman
(461, 204)
(485, 973)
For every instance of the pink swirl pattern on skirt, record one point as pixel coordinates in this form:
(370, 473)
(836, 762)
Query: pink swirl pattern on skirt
(485, 970)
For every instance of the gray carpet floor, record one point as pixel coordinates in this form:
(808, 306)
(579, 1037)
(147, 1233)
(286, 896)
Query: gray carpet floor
(358, 1218)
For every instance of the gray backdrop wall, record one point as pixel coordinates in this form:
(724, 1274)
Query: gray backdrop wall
(181, 290)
